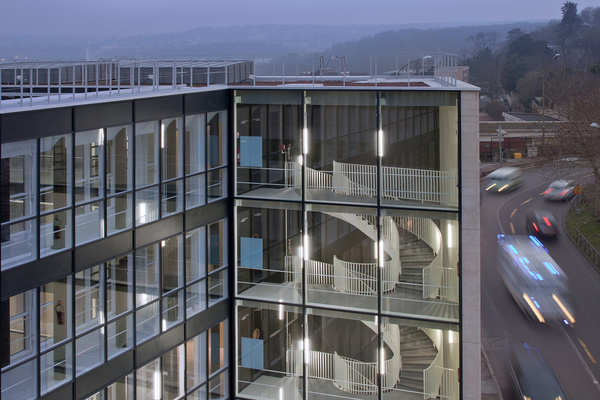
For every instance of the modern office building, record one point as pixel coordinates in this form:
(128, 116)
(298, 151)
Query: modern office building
(242, 237)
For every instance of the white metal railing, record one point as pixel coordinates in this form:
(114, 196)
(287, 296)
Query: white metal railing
(420, 185)
(355, 179)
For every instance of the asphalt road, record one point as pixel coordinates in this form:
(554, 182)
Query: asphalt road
(573, 352)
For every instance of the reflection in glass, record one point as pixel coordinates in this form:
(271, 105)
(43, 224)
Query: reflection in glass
(119, 211)
(217, 347)
(146, 205)
(195, 252)
(55, 232)
(147, 274)
(89, 301)
(217, 184)
(122, 389)
(19, 162)
(147, 320)
(217, 245)
(89, 222)
(120, 336)
(56, 368)
(20, 383)
(148, 381)
(172, 372)
(119, 284)
(119, 159)
(171, 143)
(195, 191)
(172, 309)
(172, 198)
(195, 298)
(147, 139)
(55, 312)
(23, 332)
(89, 165)
(195, 143)
(55, 172)
(196, 360)
(20, 245)
(89, 351)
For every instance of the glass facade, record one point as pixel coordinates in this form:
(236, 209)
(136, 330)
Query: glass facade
(75, 189)
(346, 213)
(298, 244)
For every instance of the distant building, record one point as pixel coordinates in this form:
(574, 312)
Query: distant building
(188, 229)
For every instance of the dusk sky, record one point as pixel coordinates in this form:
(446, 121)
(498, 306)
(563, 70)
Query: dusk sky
(140, 17)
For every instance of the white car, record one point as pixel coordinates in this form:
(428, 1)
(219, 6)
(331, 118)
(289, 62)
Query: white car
(560, 190)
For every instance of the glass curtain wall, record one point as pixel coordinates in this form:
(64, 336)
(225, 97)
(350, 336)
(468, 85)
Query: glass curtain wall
(364, 232)
(68, 190)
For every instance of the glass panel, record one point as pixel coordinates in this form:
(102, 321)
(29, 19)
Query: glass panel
(146, 206)
(195, 143)
(217, 184)
(20, 244)
(216, 129)
(147, 274)
(120, 336)
(217, 287)
(19, 161)
(89, 351)
(146, 153)
(89, 301)
(217, 347)
(55, 232)
(340, 123)
(148, 382)
(122, 389)
(427, 285)
(89, 222)
(56, 368)
(119, 211)
(119, 171)
(219, 386)
(55, 172)
(172, 198)
(195, 298)
(196, 360)
(195, 253)
(55, 312)
(172, 263)
(195, 191)
(268, 341)
(351, 342)
(342, 260)
(19, 383)
(171, 143)
(420, 162)
(217, 245)
(269, 253)
(89, 165)
(269, 143)
(22, 329)
(438, 346)
(147, 321)
(198, 394)
(119, 284)
(172, 309)
(172, 372)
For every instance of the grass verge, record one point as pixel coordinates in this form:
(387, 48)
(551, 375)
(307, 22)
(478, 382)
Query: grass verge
(586, 224)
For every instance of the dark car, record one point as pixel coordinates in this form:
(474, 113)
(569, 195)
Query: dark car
(560, 190)
(532, 376)
(541, 224)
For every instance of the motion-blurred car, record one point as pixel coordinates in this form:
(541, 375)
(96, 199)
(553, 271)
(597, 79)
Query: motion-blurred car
(560, 190)
(541, 223)
(504, 179)
(532, 376)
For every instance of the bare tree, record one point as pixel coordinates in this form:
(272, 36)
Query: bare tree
(575, 98)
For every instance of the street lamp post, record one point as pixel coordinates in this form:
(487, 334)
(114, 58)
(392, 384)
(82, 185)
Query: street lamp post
(544, 103)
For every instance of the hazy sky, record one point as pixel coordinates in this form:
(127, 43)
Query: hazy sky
(134, 17)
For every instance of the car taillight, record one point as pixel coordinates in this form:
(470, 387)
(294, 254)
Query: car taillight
(548, 191)
(563, 192)
(535, 226)
(547, 222)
